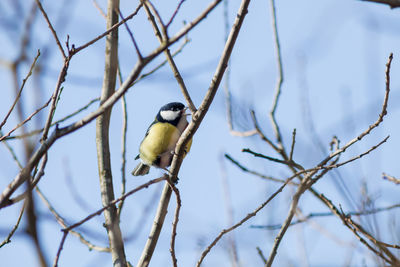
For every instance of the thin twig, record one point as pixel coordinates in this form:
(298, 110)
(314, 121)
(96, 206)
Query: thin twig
(115, 201)
(25, 121)
(229, 214)
(228, 95)
(58, 133)
(326, 214)
(188, 133)
(174, 14)
(245, 169)
(123, 145)
(34, 182)
(60, 247)
(160, 21)
(261, 254)
(391, 3)
(8, 238)
(377, 122)
(260, 133)
(51, 28)
(62, 222)
(175, 224)
(292, 146)
(56, 122)
(279, 81)
(171, 61)
(115, 26)
(97, 6)
(390, 178)
(20, 90)
(132, 38)
(13, 154)
(246, 218)
(304, 185)
(55, 97)
(285, 162)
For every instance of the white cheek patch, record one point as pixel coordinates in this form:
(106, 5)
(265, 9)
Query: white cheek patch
(169, 115)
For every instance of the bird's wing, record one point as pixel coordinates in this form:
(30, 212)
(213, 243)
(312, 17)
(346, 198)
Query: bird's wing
(148, 129)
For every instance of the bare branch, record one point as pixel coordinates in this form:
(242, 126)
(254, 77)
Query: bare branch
(170, 60)
(131, 35)
(51, 28)
(62, 222)
(372, 126)
(160, 21)
(197, 117)
(261, 254)
(285, 162)
(279, 82)
(175, 224)
(56, 122)
(64, 237)
(232, 245)
(249, 216)
(102, 141)
(115, 26)
(8, 238)
(155, 231)
(245, 169)
(390, 178)
(292, 146)
(391, 3)
(123, 151)
(55, 97)
(20, 90)
(174, 14)
(115, 201)
(327, 214)
(228, 95)
(58, 133)
(25, 121)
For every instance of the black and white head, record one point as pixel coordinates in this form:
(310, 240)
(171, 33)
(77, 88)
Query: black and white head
(171, 113)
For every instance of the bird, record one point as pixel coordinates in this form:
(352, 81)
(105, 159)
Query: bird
(158, 145)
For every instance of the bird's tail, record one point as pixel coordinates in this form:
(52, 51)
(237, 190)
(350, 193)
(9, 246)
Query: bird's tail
(141, 169)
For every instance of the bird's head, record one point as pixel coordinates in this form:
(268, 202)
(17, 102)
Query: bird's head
(171, 112)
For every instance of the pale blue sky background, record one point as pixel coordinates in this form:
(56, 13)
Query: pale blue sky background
(333, 51)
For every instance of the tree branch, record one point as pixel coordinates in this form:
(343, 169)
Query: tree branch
(102, 141)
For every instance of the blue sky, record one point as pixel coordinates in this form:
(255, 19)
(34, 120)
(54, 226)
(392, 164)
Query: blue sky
(334, 55)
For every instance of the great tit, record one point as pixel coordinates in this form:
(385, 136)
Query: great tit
(158, 145)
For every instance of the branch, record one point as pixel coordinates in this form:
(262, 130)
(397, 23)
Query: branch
(54, 123)
(187, 135)
(327, 214)
(245, 169)
(391, 3)
(390, 178)
(279, 81)
(102, 141)
(170, 59)
(175, 224)
(25, 121)
(228, 95)
(8, 238)
(62, 222)
(115, 201)
(249, 216)
(51, 28)
(58, 133)
(20, 90)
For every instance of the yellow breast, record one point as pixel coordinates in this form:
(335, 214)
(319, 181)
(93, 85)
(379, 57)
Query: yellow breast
(161, 138)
